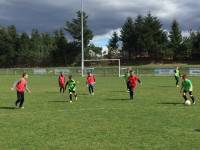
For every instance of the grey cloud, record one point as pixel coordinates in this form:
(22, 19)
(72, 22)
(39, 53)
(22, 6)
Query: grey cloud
(104, 15)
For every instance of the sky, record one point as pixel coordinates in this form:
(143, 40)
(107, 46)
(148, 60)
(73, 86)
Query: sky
(105, 16)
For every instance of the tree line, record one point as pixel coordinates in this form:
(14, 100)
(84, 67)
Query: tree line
(45, 49)
(145, 39)
(140, 39)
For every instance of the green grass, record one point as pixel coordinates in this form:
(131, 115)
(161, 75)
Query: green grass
(155, 120)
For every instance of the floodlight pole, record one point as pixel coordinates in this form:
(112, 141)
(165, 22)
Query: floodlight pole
(82, 41)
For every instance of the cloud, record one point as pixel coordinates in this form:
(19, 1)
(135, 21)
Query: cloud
(102, 40)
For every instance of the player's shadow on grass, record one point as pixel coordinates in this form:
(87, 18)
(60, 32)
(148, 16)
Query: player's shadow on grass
(197, 130)
(170, 103)
(8, 108)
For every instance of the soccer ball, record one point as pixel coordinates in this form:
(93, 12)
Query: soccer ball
(187, 102)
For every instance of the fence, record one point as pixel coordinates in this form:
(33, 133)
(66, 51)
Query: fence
(75, 71)
(101, 71)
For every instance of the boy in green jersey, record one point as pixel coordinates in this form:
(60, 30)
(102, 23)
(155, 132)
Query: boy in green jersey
(177, 76)
(71, 84)
(187, 88)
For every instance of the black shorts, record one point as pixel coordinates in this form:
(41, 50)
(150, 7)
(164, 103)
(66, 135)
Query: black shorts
(185, 92)
(176, 78)
(72, 91)
(20, 95)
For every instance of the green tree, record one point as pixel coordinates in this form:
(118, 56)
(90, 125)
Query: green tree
(143, 35)
(175, 39)
(114, 41)
(139, 42)
(4, 47)
(36, 47)
(113, 46)
(8, 46)
(47, 46)
(127, 38)
(154, 37)
(13, 42)
(74, 28)
(73, 53)
(60, 53)
(195, 37)
(23, 55)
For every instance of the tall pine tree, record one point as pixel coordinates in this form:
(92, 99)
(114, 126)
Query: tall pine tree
(175, 38)
(154, 36)
(74, 28)
(127, 38)
(113, 46)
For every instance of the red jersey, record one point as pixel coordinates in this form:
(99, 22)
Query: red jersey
(21, 85)
(133, 79)
(90, 79)
(61, 80)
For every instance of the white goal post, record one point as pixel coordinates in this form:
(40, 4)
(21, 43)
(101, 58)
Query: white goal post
(103, 60)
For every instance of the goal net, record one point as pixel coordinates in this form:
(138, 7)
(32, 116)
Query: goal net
(124, 70)
(103, 67)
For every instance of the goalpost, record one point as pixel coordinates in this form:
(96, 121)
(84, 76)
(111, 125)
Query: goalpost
(104, 60)
(82, 48)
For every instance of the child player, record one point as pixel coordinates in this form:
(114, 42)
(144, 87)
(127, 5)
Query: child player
(126, 76)
(177, 76)
(20, 87)
(132, 83)
(71, 84)
(90, 81)
(61, 81)
(187, 88)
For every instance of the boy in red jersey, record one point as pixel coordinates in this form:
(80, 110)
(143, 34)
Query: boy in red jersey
(126, 76)
(61, 81)
(90, 81)
(132, 83)
(20, 87)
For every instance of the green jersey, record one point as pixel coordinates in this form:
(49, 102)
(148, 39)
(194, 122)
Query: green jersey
(187, 85)
(177, 73)
(71, 85)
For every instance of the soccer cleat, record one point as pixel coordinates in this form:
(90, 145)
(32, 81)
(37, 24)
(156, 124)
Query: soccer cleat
(70, 101)
(177, 86)
(21, 107)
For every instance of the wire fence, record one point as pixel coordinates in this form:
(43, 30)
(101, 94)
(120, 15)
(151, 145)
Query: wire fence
(101, 71)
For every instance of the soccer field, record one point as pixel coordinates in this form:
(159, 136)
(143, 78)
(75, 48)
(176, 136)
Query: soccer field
(156, 119)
